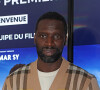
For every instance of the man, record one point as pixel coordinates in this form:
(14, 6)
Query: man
(50, 71)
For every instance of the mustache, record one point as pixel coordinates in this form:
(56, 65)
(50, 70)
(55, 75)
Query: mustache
(49, 48)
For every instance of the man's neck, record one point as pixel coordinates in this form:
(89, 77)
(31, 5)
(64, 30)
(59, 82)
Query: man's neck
(48, 67)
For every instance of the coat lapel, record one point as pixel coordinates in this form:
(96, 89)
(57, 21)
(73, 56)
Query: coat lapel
(59, 82)
(33, 80)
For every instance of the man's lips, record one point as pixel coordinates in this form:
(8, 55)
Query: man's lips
(49, 52)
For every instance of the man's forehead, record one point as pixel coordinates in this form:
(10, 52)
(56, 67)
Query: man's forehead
(50, 23)
(50, 26)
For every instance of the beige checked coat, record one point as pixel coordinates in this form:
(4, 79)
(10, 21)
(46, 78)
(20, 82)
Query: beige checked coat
(69, 77)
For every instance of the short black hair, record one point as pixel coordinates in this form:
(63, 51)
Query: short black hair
(52, 16)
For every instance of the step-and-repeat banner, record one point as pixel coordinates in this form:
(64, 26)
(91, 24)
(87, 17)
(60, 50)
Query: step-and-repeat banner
(17, 25)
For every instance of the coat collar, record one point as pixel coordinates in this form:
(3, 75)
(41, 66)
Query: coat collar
(34, 80)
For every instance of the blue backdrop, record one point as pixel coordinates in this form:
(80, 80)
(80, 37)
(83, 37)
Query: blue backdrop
(17, 25)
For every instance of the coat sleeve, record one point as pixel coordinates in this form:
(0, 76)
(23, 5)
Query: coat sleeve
(93, 85)
(6, 85)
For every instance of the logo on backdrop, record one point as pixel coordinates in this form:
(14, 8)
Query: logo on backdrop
(14, 20)
(17, 2)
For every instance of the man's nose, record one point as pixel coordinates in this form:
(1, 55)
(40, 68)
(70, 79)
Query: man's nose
(50, 41)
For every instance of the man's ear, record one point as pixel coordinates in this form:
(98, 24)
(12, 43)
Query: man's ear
(34, 38)
(66, 40)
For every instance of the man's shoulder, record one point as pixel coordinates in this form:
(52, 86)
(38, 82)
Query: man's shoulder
(74, 69)
(25, 69)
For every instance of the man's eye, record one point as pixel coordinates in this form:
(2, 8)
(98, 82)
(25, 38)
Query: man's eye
(57, 37)
(43, 36)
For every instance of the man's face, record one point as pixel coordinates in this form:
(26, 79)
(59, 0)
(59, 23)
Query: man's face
(50, 39)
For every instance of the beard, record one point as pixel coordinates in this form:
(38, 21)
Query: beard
(49, 59)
